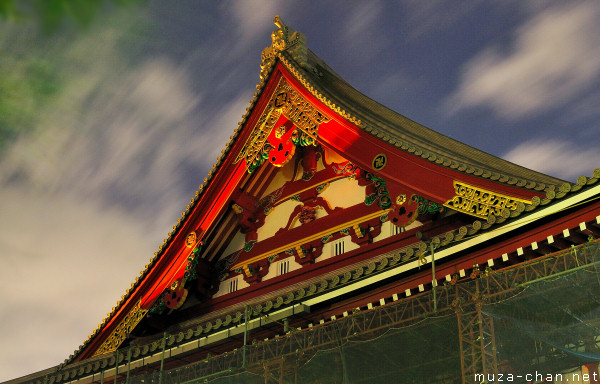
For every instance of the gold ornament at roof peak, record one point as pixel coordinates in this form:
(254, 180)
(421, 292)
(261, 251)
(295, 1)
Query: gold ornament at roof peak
(283, 39)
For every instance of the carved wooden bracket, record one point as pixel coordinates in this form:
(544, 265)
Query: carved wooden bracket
(254, 272)
(308, 253)
(365, 232)
(250, 215)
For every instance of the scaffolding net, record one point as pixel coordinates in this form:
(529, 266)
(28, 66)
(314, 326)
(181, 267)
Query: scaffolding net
(542, 316)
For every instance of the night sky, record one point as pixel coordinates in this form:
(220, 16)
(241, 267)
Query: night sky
(108, 128)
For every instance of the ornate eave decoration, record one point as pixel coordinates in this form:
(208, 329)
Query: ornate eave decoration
(482, 203)
(120, 333)
(289, 103)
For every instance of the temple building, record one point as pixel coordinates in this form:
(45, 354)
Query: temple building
(337, 241)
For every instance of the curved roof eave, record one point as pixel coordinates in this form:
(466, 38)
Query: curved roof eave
(408, 135)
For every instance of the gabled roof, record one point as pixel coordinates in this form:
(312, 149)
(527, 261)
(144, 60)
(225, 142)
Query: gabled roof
(384, 131)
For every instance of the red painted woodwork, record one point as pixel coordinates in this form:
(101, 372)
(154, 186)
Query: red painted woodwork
(322, 227)
(280, 139)
(429, 180)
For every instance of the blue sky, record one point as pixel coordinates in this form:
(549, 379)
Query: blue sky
(108, 130)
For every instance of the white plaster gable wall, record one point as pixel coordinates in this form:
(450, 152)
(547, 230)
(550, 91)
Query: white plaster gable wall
(277, 219)
(344, 193)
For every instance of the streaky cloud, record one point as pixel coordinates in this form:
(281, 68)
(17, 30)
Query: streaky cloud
(554, 58)
(558, 158)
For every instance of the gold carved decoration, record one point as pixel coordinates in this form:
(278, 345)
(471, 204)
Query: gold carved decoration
(401, 199)
(283, 39)
(481, 202)
(237, 209)
(379, 162)
(190, 240)
(289, 103)
(119, 334)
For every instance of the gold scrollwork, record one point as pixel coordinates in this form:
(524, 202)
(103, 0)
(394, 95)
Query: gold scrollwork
(480, 202)
(289, 103)
(120, 333)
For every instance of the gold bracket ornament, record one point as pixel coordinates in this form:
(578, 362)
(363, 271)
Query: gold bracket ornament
(120, 333)
(289, 103)
(481, 203)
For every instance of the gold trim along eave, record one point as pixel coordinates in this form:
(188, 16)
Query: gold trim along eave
(120, 333)
(482, 203)
(315, 236)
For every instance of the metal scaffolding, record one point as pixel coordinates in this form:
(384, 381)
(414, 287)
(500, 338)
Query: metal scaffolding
(475, 339)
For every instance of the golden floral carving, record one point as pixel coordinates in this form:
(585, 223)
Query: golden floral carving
(120, 333)
(480, 202)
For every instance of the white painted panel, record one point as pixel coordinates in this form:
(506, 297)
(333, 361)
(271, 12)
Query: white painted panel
(344, 193)
(277, 219)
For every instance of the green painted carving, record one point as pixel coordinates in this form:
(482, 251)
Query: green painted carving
(260, 158)
(190, 268)
(302, 139)
(159, 307)
(362, 230)
(321, 187)
(381, 194)
(428, 207)
(248, 246)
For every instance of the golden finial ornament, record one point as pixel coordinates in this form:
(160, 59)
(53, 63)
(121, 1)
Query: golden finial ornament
(283, 39)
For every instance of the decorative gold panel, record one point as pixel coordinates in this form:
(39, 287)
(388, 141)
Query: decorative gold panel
(481, 202)
(123, 329)
(289, 103)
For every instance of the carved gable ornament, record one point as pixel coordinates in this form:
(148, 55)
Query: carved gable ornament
(482, 203)
(288, 120)
(122, 331)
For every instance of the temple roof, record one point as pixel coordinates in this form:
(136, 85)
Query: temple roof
(373, 118)
(407, 134)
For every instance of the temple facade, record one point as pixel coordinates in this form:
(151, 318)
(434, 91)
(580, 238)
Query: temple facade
(337, 241)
